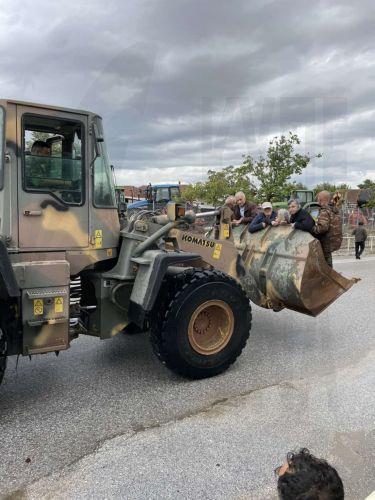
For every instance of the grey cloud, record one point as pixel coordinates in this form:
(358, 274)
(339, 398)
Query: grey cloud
(191, 84)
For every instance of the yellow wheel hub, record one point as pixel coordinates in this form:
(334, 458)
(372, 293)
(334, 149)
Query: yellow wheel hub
(211, 327)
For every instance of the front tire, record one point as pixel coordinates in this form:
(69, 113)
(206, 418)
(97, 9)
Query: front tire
(203, 326)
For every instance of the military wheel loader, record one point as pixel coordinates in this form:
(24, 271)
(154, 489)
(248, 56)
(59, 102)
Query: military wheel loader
(66, 267)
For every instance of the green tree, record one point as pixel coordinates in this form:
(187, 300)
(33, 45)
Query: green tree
(367, 184)
(220, 184)
(332, 188)
(194, 192)
(272, 173)
(371, 202)
(297, 186)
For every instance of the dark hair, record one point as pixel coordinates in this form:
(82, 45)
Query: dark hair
(39, 144)
(360, 223)
(309, 478)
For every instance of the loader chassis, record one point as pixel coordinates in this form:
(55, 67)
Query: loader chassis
(66, 267)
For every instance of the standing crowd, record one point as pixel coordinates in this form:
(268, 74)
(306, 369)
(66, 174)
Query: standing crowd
(327, 228)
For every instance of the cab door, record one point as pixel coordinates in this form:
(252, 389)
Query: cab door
(53, 179)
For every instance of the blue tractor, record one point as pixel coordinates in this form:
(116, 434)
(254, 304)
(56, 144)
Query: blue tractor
(157, 196)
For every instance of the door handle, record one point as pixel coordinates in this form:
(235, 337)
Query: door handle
(32, 212)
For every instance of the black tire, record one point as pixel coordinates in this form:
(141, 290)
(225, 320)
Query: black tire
(133, 329)
(171, 326)
(3, 358)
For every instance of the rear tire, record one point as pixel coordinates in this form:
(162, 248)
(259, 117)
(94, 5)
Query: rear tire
(202, 324)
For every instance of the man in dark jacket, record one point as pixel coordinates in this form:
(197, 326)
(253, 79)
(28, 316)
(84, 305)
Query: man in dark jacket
(300, 218)
(265, 218)
(360, 234)
(243, 212)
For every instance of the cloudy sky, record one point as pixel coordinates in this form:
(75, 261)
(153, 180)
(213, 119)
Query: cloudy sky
(188, 85)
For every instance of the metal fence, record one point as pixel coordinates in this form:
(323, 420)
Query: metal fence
(348, 246)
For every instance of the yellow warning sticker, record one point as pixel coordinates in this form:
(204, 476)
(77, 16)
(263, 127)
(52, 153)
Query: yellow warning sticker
(38, 307)
(225, 231)
(98, 238)
(59, 305)
(217, 251)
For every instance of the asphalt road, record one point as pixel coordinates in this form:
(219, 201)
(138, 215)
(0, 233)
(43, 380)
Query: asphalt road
(106, 420)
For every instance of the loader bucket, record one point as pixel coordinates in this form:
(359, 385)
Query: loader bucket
(286, 268)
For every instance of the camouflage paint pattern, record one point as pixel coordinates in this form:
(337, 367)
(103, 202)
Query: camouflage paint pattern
(277, 267)
(47, 240)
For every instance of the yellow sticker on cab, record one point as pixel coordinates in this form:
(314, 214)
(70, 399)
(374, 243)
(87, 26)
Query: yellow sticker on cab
(98, 236)
(38, 307)
(59, 304)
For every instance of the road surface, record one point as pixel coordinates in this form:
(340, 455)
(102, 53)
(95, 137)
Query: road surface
(106, 420)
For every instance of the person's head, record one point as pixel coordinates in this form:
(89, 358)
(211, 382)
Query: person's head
(267, 208)
(360, 223)
(40, 148)
(282, 215)
(240, 198)
(230, 201)
(293, 206)
(305, 477)
(323, 198)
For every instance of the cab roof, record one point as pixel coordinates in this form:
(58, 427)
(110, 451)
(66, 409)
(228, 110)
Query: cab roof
(46, 106)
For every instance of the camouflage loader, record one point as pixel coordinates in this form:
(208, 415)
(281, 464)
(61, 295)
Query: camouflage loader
(67, 269)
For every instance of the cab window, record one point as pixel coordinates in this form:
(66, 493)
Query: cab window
(104, 188)
(52, 157)
(302, 197)
(309, 197)
(162, 194)
(175, 193)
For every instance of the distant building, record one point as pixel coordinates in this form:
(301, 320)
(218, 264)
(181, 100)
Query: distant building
(131, 193)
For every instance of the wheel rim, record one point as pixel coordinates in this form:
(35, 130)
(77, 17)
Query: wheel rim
(211, 327)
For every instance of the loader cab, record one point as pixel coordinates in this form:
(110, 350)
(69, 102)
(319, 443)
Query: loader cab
(58, 179)
(304, 196)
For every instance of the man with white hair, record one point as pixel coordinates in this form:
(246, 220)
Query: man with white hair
(244, 212)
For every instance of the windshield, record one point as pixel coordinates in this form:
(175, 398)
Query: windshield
(104, 188)
(162, 194)
(175, 193)
(1, 146)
